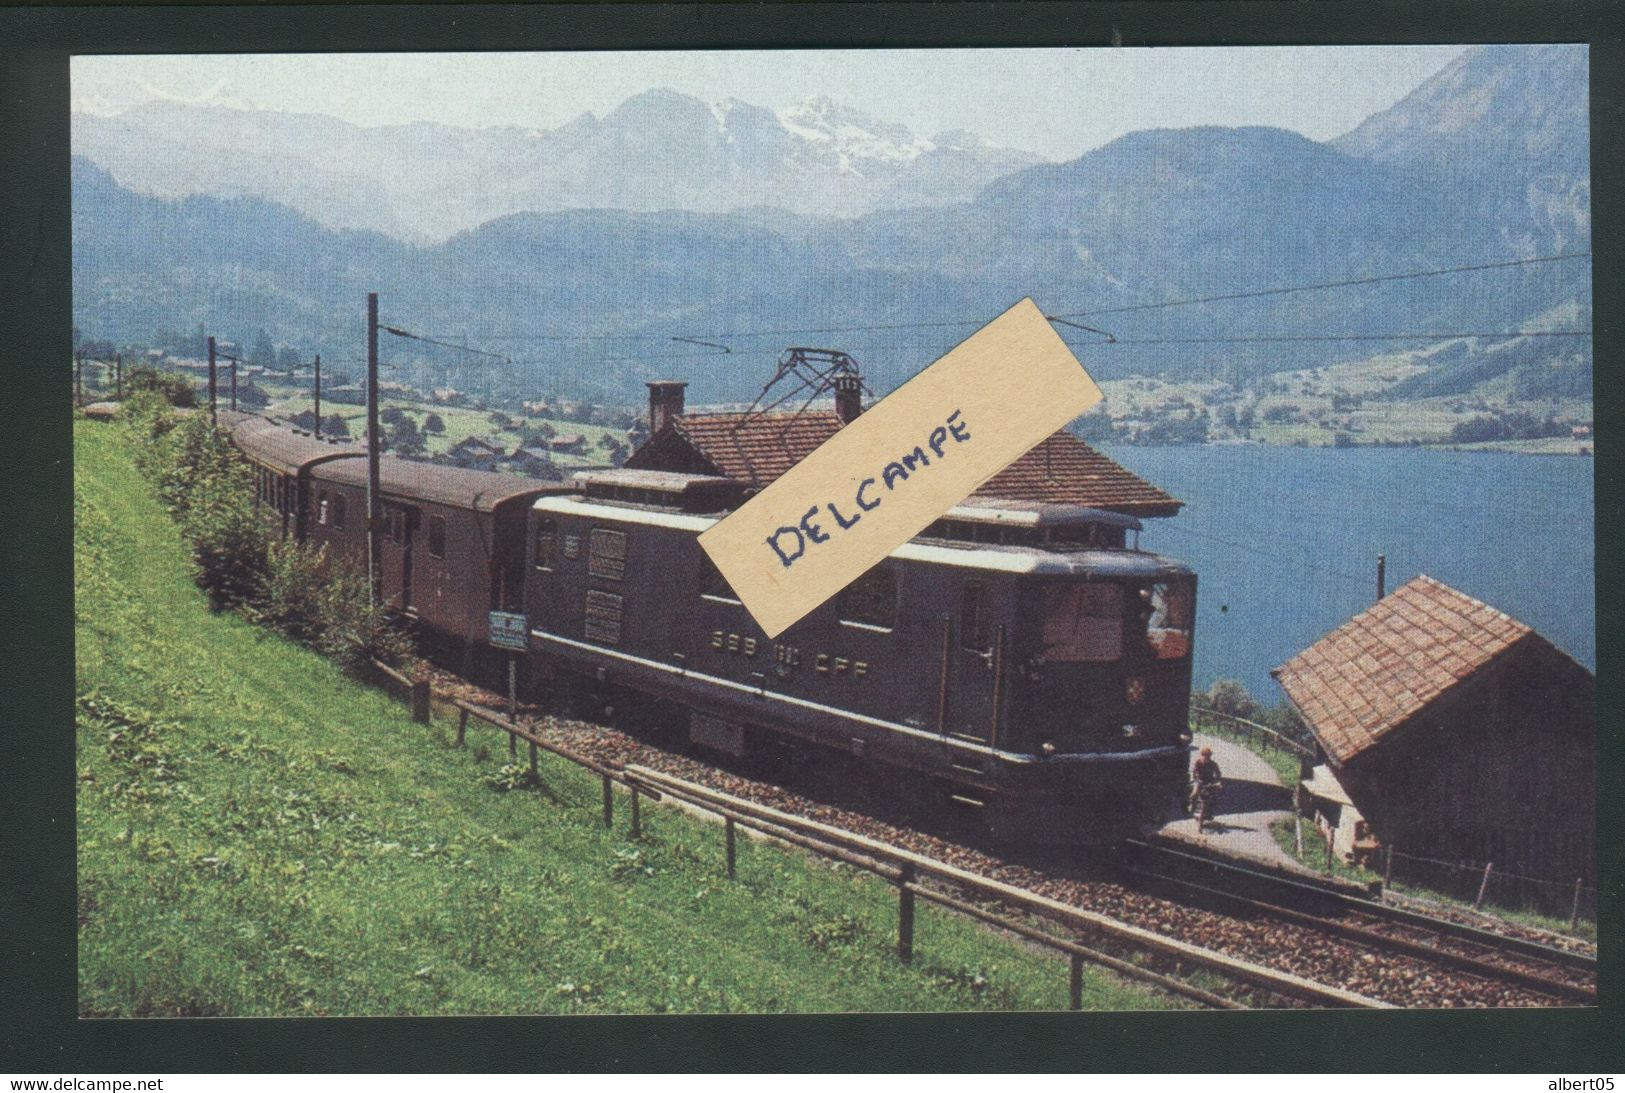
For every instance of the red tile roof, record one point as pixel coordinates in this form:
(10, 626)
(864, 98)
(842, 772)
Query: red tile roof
(1379, 669)
(1063, 468)
(757, 449)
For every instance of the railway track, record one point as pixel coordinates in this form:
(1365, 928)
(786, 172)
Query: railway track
(1566, 976)
(1373, 961)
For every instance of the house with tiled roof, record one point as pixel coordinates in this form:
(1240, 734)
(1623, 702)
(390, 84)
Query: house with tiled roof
(754, 449)
(1459, 733)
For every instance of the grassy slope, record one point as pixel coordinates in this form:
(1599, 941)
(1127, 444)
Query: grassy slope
(259, 835)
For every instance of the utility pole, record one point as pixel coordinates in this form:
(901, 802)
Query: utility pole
(1382, 574)
(118, 376)
(375, 521)
(234, 384)
(214, 416)
(318, 396)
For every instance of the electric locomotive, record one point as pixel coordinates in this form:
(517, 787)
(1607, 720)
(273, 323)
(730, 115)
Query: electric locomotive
(1024, 660)
(1021, 657)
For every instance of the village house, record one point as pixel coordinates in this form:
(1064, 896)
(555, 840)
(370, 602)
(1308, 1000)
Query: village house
(756, 448)
(571, 443)
(477, 451)
(535, 462)
(1458, 733)
(349, 393)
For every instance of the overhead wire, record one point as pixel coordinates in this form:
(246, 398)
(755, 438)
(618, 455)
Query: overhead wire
(399, 333)
(1250, 294)
(1419, 337)
(1380, 279)
(1280, 556)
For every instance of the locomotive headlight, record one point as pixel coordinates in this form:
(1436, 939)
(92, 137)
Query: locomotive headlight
(1134, 690)
(1131, 730)
(1047, 748)
(1184, 738)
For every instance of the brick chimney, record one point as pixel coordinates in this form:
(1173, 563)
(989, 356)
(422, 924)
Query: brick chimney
(848, 397)
(665, 403)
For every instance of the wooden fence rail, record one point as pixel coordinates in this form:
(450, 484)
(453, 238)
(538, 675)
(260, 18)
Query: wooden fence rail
(908, 872)
(417, 690)
(1201, 717)
(891, 862)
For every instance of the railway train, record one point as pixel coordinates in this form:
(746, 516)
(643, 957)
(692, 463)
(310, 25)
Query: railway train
(1022, 661)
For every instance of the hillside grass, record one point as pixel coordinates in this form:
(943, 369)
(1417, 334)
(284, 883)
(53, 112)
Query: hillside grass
(259, 835)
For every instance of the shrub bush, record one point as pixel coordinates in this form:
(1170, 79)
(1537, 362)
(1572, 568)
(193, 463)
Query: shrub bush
(352, 630)
(229, 542)
(208, 487)
(291, 598)
(174, 389)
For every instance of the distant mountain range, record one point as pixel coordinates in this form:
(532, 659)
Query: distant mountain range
(1486, 162)
(660, 150)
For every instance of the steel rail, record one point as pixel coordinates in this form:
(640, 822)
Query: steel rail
(1489, 939)
(1387, 942)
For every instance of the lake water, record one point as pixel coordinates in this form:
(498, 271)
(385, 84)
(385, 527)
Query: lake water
(1285, 541)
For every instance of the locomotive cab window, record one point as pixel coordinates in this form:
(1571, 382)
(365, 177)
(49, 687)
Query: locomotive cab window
(974, 630)
(871, 600)
(1170, 605)
(437, 536)
(1083, 622)
(547, 538)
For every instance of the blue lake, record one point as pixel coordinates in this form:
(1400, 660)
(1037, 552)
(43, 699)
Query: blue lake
(1285, 540)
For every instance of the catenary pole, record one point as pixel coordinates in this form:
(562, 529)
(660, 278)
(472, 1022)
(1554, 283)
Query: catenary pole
(318, 396)
(375, 522)
(214, 415)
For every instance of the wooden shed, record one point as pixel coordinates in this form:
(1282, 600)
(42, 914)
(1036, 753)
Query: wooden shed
(1458, 732)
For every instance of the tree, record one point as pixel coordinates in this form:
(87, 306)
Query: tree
(405, 439)
(176, 390)
(334, 425)
(288, 358)
(1230, 697)
(433, 424)
(304, 419)
(263, 353)
(391, 415)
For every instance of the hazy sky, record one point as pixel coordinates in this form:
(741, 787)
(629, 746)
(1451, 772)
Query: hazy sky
(1056, 102)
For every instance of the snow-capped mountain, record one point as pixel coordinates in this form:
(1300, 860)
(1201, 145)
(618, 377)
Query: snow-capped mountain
(659, 150)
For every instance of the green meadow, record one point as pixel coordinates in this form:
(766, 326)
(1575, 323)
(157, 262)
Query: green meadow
(261, 835)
